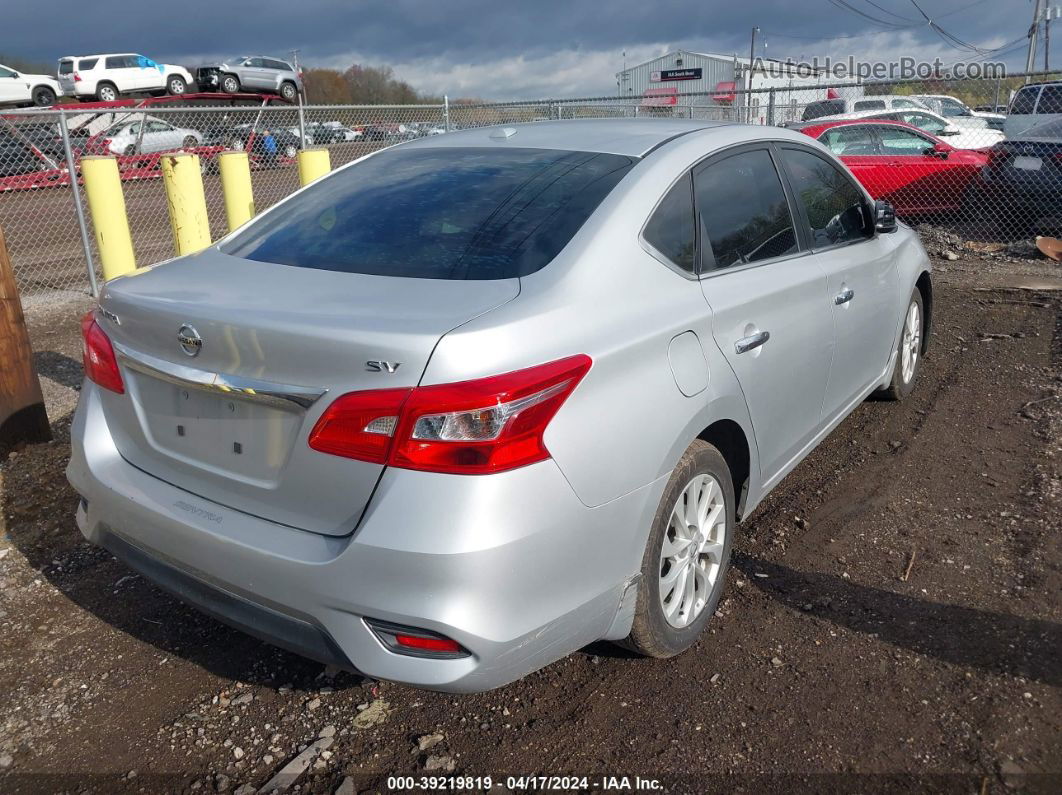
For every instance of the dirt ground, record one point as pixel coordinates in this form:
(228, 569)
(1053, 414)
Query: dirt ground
(892, 621)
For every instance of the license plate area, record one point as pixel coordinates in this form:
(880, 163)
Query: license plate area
(228, 435)
(1028, 163)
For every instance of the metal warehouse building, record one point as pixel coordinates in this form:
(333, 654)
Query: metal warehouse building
(721, 81)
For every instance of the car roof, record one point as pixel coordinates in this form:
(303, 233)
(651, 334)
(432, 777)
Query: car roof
(857, 115)
(816, 127)
(632, 137)
(98, 55)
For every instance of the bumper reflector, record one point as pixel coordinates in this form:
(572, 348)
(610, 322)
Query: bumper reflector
(414, 642)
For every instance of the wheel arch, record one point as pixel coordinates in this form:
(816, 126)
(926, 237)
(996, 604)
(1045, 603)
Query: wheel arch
(924, 284)
(729, 438)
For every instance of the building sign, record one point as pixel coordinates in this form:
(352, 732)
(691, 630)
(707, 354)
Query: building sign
(675, 74)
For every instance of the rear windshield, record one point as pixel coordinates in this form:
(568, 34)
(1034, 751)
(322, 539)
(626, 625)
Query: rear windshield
(440, 213)
(66, 67)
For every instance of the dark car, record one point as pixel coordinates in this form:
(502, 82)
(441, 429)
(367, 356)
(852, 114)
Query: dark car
(321, 134)
(1023, 178)
(251, 137)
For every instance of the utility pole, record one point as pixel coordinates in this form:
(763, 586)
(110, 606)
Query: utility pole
(1034, 32)
(752, 53)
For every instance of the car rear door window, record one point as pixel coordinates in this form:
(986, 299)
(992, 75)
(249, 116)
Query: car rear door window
(1025, 100)
(438, 213)
(743, 211)
(851, 140)
(836, 209)
(1050, 100)
(671, 229)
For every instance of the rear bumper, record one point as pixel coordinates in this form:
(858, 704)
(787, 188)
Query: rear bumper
(511, 566)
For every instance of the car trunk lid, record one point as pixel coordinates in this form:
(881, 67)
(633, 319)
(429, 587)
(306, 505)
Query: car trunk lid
(228, 418)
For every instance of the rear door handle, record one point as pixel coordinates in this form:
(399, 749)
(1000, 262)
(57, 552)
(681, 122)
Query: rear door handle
(843, 297)
(748, 343)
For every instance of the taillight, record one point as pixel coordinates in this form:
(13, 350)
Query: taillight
(77, 77)
(97, 356)
(473, 427)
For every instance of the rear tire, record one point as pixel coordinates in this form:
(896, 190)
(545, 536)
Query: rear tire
(690, 539)
(189, 142)
(909, 350)
(107, 92)
(43, 97)
(230, 84)
(175, 85)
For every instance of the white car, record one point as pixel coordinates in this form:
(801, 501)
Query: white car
(19, 88)
(107, 77)
(958, 136)
(348, 133)
(147, 135)
(957, 111)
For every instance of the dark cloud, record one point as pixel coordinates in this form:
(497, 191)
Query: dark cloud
(468, 33)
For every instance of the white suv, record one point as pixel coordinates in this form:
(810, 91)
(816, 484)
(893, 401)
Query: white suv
(19, 88)
(106, 77)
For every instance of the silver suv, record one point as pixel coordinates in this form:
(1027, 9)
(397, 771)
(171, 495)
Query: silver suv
(495, 394)
(252, 73)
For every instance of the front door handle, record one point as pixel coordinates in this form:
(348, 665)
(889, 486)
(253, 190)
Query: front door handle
(748, 343)
(843, 297)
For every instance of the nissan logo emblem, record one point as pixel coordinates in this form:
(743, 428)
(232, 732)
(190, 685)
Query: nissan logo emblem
(190, 341)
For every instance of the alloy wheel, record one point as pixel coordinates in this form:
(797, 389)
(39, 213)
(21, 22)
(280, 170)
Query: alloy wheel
(691, 555)
(912, 339)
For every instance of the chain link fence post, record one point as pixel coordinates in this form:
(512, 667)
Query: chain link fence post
(75, 192)
(446, 113)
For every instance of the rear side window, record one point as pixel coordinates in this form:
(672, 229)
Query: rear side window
(87, 64)
(743, 211)
(824, 108)
(835, 207)
(1025, 100)
(670, 229)
(869, 104)
(1050, 100)
(438, 213)
(66, 67)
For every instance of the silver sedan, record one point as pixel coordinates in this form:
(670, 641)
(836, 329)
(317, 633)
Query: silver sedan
(495, 394)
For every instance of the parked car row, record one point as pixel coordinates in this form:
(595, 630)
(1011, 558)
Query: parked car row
(921, 174)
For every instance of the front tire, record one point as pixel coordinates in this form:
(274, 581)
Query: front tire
(189, 142)
(43, 97)
(176, 85)
(230, 84)
(288, 91)
(909, 350)
(687, 555)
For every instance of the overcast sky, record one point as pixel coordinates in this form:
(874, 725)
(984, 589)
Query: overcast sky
(500, 49)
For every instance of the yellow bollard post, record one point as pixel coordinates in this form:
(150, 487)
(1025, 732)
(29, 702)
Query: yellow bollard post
(103, 189)
(313, 163)
(236, 185)
(186, 202)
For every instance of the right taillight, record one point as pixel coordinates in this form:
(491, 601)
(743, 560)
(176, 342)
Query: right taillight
(97, 356)
(473, 427)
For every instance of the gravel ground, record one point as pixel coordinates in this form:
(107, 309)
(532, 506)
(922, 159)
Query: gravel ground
(892, 621)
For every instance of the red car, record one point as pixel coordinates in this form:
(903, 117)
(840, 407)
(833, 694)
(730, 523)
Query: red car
(917, 173)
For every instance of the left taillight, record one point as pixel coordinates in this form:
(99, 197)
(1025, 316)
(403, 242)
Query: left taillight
(97, 356)
(475, 427)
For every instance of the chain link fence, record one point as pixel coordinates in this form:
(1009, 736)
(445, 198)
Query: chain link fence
(948, 154)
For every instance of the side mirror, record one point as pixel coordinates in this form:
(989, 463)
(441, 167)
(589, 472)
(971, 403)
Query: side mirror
(884, 217)
(939, 149)
(951, 129)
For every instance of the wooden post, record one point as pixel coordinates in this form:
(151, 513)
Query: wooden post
(22, 414)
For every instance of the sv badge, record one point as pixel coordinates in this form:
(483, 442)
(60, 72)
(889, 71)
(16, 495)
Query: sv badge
(382, 367)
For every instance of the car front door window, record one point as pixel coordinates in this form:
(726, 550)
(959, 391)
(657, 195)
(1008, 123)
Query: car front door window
(836, 210)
